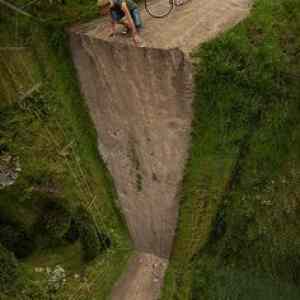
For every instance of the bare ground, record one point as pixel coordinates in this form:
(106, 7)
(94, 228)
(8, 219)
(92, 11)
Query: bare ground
(140, 100)
(143, 279)
(185, 28)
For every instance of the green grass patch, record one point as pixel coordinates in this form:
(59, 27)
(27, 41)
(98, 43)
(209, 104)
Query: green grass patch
(240, 198)
(49, 130)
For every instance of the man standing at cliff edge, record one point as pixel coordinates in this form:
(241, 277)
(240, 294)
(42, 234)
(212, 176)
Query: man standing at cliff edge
(125, 12)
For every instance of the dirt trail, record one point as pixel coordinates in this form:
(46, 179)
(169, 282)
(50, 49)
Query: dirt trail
(143, 279)
(140, 100)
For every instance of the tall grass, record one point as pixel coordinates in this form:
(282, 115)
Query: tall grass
(240, 199)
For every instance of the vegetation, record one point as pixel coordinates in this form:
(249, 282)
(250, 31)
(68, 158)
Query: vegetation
(233, 284)
(8, 270)
(60, 12)
(88, 234)
(239, 230)
(72, 235)
(45, 124)
(55, 220)
(16, 240)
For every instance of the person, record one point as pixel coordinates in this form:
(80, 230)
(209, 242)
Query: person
(126, 12)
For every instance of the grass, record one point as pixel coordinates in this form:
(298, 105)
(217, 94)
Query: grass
(59, 13)
(236, 285)
(51, 133)
(92, 281)
(240, 198)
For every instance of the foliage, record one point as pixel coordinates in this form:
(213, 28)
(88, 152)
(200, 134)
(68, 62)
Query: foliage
(56, 219)
(60, 13)
(8, 270)
(238, 285)
(49, 129)
(240, 199)
(16, 239)
(33, 291)
(72, 235)
(91, 244)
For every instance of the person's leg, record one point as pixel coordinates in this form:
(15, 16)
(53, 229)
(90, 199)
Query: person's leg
(135, 13)
(126, 25)
(118, 17)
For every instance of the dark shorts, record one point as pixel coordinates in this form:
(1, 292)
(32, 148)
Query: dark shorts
(117, 16)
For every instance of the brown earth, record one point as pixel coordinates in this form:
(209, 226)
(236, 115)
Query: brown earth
(145, 279)
(186, 27)
(140, 100)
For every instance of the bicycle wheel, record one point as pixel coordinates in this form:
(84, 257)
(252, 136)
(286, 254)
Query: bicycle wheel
(159, 8)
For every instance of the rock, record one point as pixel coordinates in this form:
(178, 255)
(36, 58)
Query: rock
(9, 170)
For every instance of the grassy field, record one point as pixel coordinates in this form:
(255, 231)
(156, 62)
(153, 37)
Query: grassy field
(239, 233)
(45, 124)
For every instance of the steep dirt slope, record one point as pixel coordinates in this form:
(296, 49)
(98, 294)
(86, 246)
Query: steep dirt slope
(140, 101)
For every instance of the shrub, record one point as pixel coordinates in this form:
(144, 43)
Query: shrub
(92, 241)
(15, 239)
(8, 237)
(8, 270)
(104, 240)
(56, 220)
(91, 245)
(33, 290)
(72, 234)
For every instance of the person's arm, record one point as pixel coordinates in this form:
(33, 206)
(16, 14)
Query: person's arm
(113, 27)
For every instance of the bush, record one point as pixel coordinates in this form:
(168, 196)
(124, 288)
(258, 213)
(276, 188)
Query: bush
(91, 245)
(104, 240)
(8, 270)
(15, 239)
(72, 234)
(9, 237)
(89, 236)
(56, 220)
(33, 290)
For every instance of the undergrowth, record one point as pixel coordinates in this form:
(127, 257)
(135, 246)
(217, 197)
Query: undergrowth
(45, 125)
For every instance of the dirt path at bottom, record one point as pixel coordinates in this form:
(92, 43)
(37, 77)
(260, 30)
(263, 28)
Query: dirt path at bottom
(143, 279)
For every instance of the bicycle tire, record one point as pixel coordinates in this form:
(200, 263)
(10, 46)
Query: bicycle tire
(153, 15)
